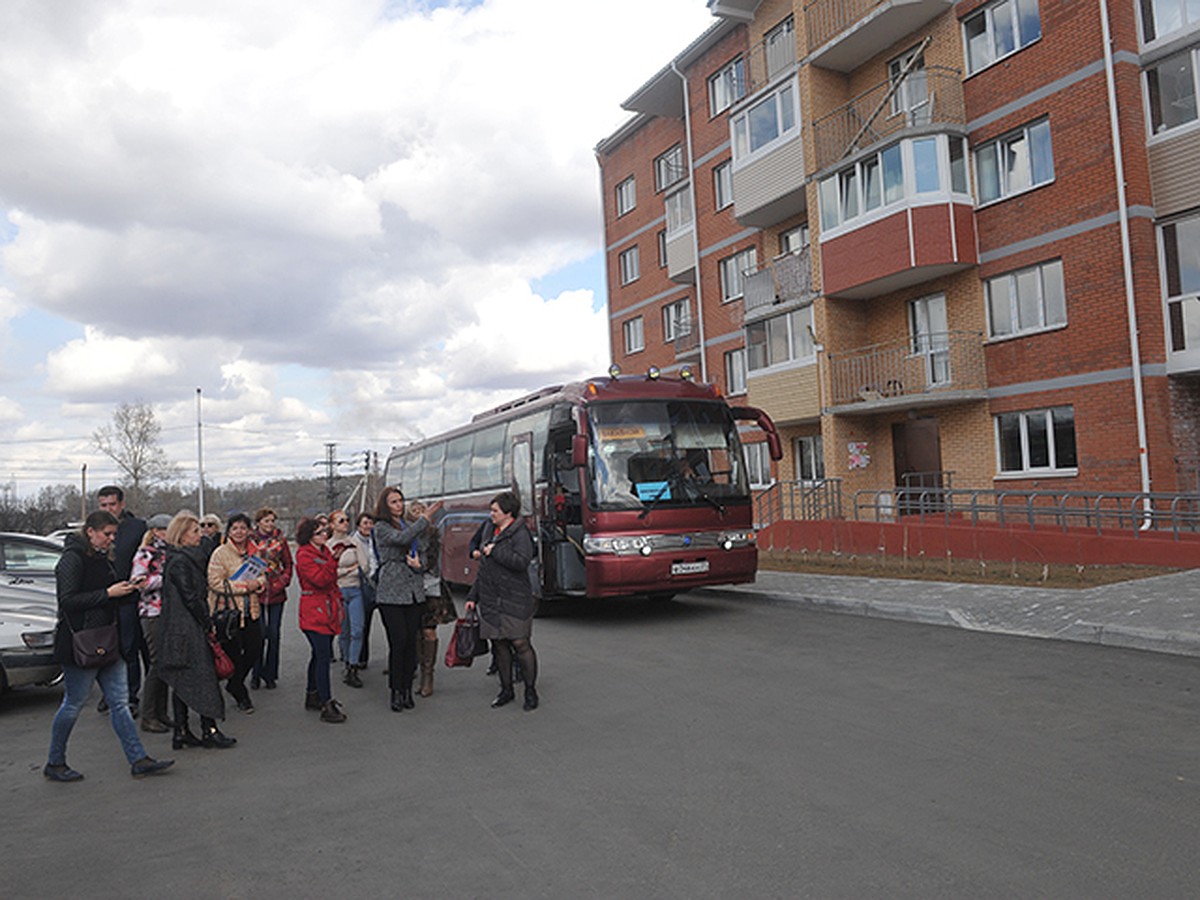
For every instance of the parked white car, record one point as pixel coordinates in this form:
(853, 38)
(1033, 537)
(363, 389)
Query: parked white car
(26, 645)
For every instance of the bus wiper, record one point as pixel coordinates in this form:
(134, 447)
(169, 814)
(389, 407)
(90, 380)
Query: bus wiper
(715, 504)
(662, 492)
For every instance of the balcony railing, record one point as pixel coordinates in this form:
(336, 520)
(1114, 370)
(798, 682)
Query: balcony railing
(925, 97)
(788, 277)
(921, 366)
(687, 337)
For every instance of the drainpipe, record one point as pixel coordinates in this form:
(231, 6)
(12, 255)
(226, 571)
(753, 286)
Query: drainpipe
(687, 127)
(1135, 354)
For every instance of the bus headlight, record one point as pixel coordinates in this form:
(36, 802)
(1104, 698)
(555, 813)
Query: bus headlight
(618, 546)
(731, 539)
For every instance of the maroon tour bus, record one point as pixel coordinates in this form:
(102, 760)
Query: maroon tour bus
(631, 485)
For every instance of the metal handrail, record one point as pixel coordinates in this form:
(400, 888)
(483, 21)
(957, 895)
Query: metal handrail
(799, 500)
(1103, 511)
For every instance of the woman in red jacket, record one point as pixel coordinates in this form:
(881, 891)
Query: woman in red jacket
(320, 613)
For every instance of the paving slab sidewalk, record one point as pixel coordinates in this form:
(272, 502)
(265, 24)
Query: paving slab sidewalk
(1160, 614)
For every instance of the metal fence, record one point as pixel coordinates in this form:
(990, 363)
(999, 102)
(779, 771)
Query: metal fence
(927, 96)
(796, 500)
(1104, 512)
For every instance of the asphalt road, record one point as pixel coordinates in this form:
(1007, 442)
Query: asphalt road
(711, 747)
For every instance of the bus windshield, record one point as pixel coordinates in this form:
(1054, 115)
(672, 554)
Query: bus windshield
(664, 453)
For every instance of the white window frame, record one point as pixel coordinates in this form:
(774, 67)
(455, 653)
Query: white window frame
(733, 272)
(812, 448)
(626, 196)
(735, 371)
(779, 46)
(634, 331)
(1192, 55)
(1043, 278)
(784, 104)
(801, 348)
(758, 464)
(677, 320)
(794, 240)
(1028, 470)
(726, 86)
(1182, 305)
(723, 185)
(1150, 31)
(669, 168)
(993, 17)
(677, 206)
(630, 264)
(911, 96)
(1007, 145)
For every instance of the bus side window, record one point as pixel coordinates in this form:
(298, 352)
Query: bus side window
(457, 466)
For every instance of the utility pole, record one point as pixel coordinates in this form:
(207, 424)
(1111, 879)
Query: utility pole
(330, 462)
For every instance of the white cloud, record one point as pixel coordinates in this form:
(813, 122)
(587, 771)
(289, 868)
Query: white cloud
(360, 189)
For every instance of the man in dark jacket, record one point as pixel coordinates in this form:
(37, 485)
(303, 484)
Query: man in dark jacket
(130, 530)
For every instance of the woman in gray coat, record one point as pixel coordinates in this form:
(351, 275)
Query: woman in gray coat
(505, 598)
(185, 659)
(400, 592)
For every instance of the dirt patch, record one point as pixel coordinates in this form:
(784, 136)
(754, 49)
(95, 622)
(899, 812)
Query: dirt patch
(961, 570)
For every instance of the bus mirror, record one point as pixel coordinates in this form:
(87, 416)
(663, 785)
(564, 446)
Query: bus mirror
(579, 447)
(760, 418)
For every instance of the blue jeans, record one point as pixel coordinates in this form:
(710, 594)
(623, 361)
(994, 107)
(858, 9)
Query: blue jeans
(267, 667)
(77, 684)
(318, 664)
(351, 638)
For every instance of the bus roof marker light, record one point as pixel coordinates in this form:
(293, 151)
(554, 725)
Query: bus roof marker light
(613, 371)
(686, 373)
(652, 373)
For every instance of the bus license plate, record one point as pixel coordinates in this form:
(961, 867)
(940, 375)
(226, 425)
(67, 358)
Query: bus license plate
(689, 568)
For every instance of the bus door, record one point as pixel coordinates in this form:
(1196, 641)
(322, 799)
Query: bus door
(521, 454)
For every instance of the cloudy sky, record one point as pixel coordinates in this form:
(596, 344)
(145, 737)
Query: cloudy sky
(343, 220)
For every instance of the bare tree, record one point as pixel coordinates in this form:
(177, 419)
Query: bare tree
(131, 441)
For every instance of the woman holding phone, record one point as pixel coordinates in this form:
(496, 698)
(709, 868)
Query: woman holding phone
(400, 594)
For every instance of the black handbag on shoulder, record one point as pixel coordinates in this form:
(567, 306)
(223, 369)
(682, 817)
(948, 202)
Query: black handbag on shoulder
(95, 647)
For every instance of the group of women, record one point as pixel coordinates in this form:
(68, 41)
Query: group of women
(197, 590)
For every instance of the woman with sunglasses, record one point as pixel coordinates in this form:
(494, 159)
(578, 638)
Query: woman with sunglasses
(349, 582)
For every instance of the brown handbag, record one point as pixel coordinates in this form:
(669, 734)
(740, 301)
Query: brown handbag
(95, 647)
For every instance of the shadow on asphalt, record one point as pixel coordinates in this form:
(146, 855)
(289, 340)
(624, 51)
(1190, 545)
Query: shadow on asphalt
(30, 699)
(639, 610)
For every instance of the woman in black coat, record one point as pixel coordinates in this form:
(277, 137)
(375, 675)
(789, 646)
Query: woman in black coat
(186, 662)
(88, 589)
(505, 599)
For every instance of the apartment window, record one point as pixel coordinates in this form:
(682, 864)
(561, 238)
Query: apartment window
(678, 208)
(727, 86)
(635, 335)
(1015, 162)
(930, 335)
(999, 29)
(626, 196)
(769, 120)
(1026, 300)
(794, 239)
(1171, 87)
(669, 168)
(732, 269)
(810, 458)
(910, 94)
(630, 265)
(780, 339)
(735, 371)
(662, 249)
(676, 320)
(779, 44)
(1037, 442)
(1181, 268)
(758, 464)
(906, 169)
(723, 185)
(1161, 17)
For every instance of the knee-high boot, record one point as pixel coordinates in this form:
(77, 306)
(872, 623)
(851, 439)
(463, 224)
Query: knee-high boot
(429, 649)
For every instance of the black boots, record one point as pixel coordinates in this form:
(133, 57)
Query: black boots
(503, 698)
(214, 739)
(351, 677)
(312, 700)
(397, 701)
(531, 698)
(332, 713)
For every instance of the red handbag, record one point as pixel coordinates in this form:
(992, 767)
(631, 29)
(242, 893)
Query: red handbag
(221, 661)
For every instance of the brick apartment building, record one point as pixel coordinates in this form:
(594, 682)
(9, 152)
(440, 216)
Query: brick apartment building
(925, 236)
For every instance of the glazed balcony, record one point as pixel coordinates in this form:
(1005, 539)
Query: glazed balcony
(680, 239)
(787, 278)
(844, 34)
(768, 177)
(928, 370)
(925, 100)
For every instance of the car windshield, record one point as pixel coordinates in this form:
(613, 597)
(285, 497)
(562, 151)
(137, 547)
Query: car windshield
(665, 453)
